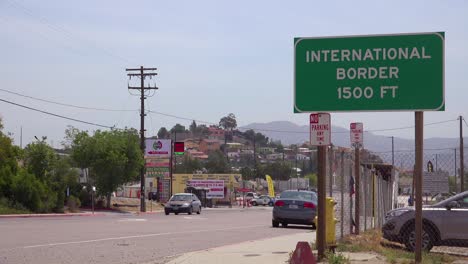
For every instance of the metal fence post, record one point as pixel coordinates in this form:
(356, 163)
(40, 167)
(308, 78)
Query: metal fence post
(365, 200)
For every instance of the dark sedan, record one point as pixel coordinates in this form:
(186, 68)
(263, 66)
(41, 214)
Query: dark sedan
(295, 207)
(183, 203)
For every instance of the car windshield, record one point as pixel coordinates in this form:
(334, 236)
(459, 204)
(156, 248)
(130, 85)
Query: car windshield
(310, 196)
(181, 198)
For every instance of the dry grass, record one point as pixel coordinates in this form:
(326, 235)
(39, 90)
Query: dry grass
(133, 205)
(371, 241)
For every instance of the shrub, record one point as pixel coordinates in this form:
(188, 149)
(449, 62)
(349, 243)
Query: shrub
(73, 203)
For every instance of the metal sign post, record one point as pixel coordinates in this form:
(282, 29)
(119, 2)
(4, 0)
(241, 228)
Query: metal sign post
(357, 186)
(321, 189)
(419, 136)
(357, 141)
(320, 136)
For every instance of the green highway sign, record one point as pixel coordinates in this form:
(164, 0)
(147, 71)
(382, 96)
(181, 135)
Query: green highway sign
(402, 72)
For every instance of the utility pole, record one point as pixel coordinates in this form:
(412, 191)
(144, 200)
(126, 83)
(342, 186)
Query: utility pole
(393, 153)
(455, 168)
(175, 157)
(295, 171)
(462, 158)
(143, 72)
(255, 155)
(21, 138)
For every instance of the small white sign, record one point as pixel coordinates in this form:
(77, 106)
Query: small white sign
(157, 147)
(356, 135)
(320, 129)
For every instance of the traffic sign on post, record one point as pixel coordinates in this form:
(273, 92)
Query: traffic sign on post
(356, 135)
(403, 72)
(320, 129)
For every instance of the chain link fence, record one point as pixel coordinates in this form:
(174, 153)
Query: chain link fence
(387, 195)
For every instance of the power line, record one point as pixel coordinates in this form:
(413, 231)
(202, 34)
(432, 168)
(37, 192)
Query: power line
(212, 123)
(56, 115)
(366, 131)
(409, 150)
(63, 104)
(61, 30)
(465, 121)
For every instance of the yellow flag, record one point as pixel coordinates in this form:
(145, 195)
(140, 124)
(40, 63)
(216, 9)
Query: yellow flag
(271, 188)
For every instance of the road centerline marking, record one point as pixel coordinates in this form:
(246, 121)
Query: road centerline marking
(138, 236)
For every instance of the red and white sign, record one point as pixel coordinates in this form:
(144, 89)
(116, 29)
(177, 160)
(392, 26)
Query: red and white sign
(157, 147)
(320, 129)
(356, 135)
(216, 187)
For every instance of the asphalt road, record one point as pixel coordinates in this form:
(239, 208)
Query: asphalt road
(128, 238)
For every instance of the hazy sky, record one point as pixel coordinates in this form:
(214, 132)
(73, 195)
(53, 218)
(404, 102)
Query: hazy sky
(213, 58)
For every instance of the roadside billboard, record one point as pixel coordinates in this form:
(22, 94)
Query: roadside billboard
(157, 147)
(216, 187)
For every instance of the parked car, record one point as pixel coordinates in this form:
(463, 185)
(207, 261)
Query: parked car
(250, 195)
(295, 207)
(262, 200)
(444, 223)
(183, 203)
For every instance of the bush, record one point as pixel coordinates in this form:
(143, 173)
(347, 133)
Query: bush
(7, 207)
(73, 203)
(28, 191)
(85, 197)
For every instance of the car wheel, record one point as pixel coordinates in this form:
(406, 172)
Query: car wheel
(284, 225)
(176, 213)
(274, 223)
(427, 239)
(166, 212)
(254, 203)
(190, 211)
(270, 203)
(199, 210)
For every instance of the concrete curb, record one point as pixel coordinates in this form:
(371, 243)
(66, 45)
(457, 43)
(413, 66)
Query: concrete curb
(49, 215)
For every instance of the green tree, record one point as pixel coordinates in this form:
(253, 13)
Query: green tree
(312, 179)
(40, 159)
(217, 163)
(9, 156)
(228, 122)
(53, 171)
(278, 170)
(193, 128)
(189, 165)
(247, 173)
(202, 131)
(163, 133)
(32, 193)
(114, 158)
(178, 128)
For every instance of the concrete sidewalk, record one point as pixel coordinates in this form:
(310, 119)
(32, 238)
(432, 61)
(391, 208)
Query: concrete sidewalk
(269, 251)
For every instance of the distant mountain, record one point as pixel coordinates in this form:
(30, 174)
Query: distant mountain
(290, 133)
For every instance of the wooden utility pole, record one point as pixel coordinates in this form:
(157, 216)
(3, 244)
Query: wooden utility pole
(143, 72)
(462, 158)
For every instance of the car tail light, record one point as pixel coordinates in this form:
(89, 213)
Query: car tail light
(279, 203)
(309, 205)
